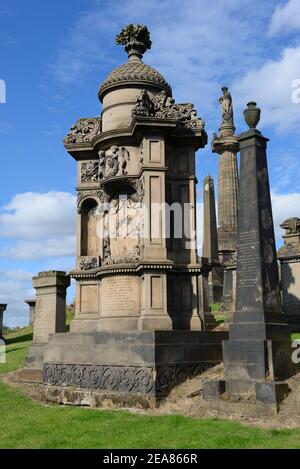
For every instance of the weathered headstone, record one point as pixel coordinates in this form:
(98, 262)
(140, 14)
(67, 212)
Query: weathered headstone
(31, 303)
(2, 309)
(289, 257)
(50, 318)
(257, 356)
(210, 240)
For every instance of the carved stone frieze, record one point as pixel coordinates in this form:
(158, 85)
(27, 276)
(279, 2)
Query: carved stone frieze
(89, 172)
(88, 263)
(113, 162)
(125, 379)
(84, 130)
(163, 106)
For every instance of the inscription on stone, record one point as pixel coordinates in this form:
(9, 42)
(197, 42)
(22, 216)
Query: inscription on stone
(120, 296)
(248, 258)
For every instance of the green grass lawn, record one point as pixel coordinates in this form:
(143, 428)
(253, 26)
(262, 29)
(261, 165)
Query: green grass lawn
(28, 424)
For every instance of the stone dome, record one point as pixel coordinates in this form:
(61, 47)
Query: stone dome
(120, 90)
(135, 71)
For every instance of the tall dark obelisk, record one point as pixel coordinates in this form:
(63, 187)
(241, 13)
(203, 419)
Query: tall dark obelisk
(210, 240)
(257, 356)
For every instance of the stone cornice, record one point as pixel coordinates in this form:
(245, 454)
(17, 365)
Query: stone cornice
(132, 135)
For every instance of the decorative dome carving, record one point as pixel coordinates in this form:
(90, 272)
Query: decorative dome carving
(136, 40)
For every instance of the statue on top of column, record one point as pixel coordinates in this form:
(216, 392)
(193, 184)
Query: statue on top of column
(226, 106)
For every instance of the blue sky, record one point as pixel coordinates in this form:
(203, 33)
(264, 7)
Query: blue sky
(54, 56)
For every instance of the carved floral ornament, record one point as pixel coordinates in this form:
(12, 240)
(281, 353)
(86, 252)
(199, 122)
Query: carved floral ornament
(84, 130)
(163, 106)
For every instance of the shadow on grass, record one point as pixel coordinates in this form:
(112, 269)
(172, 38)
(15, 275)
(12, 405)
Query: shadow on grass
(20, 338)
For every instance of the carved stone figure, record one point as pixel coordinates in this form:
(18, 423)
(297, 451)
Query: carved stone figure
(226, 106)
(144, 105)
(291, 225)
(101, 167)
(123, 157)
(163, 106)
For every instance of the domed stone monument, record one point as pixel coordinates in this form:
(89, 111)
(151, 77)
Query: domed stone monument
(138, 310)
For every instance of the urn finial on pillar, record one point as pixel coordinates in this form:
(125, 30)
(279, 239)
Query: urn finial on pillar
(252, 115)
(136, 39)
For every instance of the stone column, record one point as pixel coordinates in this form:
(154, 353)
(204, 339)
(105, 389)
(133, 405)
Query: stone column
(2, 309)
(210, 240)
(226, 145)
(50, 311)
(49, 318)
(289, 257)
(258, 354)
(31, 303)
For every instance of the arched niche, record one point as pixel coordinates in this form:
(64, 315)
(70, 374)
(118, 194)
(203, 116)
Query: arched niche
(89, 242)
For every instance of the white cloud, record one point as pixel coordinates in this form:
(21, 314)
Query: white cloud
(197, 45)
(42, 224)
(35, 215)
(34, 250)
(285, 18)
(15, 286)
(271, 87)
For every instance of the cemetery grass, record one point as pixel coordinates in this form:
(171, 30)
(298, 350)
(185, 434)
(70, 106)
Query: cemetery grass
(29, 424)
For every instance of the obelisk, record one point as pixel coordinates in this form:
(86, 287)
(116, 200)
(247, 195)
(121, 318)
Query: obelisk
(226, 145)
(210, 240)
(258, 355)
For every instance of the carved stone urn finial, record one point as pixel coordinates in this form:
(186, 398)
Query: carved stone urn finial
(252, 115)
(136, 39)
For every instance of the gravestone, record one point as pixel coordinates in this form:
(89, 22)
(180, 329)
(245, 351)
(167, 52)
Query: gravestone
(31, 303)
(289, 257)
(258, 354)
(2, 309)
(49, 318)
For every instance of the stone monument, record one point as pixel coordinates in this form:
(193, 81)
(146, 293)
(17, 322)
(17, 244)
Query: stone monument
(31, 303)
(258, 354)
(3, 307)
(226, 145)
(137, 325)
(289, 257)
(210, 240)
(49, 318)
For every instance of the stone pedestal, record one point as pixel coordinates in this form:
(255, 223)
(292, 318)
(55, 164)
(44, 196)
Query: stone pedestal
(2, 309)
(289, 257)
(31, 303)
(50, 318)
(148, 363)
(258, 354)
(228, 305)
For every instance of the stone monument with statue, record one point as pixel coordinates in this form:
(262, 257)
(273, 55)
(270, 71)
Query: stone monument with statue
(138, 326)
(226, 145)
